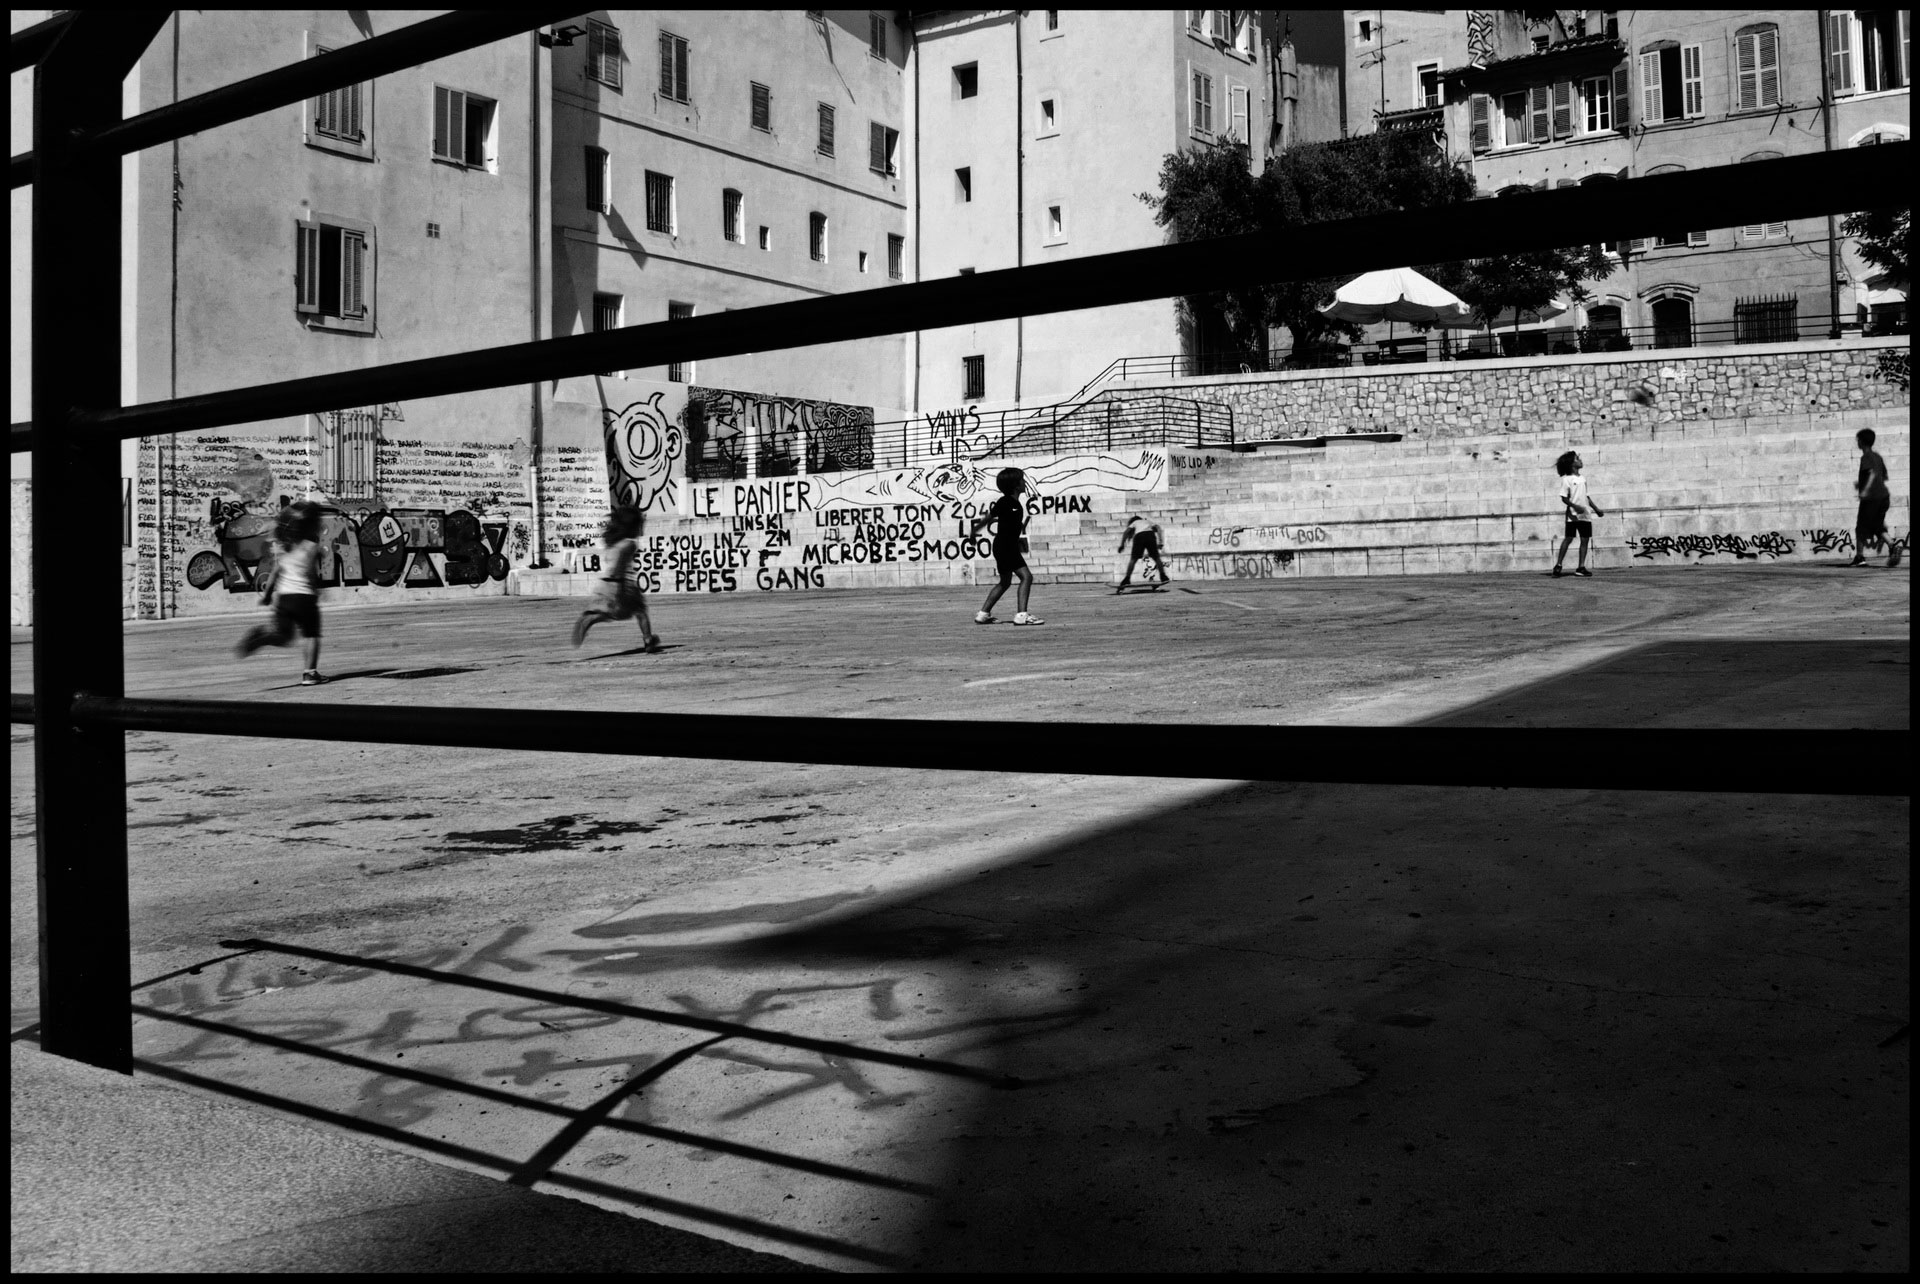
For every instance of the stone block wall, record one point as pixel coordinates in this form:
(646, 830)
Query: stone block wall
(1560, 394)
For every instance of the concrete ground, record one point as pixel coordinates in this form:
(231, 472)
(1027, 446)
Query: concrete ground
(1255, 1026)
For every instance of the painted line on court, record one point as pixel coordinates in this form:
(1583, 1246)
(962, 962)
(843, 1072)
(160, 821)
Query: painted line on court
(1016, 677)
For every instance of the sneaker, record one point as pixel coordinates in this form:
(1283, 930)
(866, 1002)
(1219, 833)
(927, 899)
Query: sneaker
(981, 617)
(1581, 570)
(580, 627)
(1557, 572)
(1893, 559)
(1857, 561)
(653, 645)
(312, 678)
(1024, 618)
(1122, 587)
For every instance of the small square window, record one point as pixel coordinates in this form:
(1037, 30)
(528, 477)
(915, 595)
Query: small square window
(966, 80)
(766, 238)
(433, 231)
(1047, 115)
(963, 184)
(863, 262)
(1053, 19)
(964, 272)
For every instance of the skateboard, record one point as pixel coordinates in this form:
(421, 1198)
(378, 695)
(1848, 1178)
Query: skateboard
(1139, 588)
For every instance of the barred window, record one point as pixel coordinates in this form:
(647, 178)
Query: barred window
(607, 310)
(659, 202)
(973, 378)
(603, 53)
(896, 257)
(732, 222)
(817, 236)
(679, 371)
(1772, 319)
(347, 448)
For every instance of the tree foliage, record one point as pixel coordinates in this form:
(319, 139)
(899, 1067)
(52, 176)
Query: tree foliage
(1209, 192)
(1883, 237)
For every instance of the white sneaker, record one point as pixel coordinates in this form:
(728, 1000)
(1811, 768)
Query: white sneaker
(981, 617)
(1024, 618)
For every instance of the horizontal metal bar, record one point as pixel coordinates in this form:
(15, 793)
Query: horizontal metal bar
(1791, 187)
(410, 46)
(1688, 760)
(22, 172)
(29, 45)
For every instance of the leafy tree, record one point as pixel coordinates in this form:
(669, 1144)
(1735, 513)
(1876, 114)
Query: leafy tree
(1210, 192)
(1524, 282)
(1883, 237)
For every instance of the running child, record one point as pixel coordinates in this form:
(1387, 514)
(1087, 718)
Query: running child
(1008, 519)
(1146, 543)
(1871, 523)
(615, 596)
(1580, 511)
(293, 588)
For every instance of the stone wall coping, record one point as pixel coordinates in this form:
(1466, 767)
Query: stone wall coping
(1642, 356)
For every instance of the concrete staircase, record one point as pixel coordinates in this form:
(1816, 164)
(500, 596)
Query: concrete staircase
(1714, 491)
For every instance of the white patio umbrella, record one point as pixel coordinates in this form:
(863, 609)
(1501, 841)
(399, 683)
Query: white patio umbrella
(1396, 294)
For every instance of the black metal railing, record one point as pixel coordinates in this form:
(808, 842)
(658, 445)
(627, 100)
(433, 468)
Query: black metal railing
(78, 707)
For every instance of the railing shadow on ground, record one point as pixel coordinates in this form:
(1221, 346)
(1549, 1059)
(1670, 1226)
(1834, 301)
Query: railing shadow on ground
(1276, 1005)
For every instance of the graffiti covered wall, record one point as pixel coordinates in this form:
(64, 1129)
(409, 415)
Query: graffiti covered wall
(446, 515)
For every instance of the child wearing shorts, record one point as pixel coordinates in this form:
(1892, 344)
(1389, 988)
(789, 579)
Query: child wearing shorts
(1574, 498)
(1008, 519)
(615, 596)
(293, 588)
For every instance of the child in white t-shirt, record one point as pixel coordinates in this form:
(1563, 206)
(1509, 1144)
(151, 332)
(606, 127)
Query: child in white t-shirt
(1581, 510)
(293, 587)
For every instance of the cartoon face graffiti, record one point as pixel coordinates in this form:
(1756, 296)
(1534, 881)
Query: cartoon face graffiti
(641, 447)
(383, 549)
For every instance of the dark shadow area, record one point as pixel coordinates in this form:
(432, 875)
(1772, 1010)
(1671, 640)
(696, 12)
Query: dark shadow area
(1716, 682)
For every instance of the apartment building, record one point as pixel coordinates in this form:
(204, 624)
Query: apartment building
(1037, 130)
(1545, 99)
(709, 160)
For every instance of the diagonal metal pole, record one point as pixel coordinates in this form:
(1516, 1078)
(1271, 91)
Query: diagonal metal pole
(80, 773)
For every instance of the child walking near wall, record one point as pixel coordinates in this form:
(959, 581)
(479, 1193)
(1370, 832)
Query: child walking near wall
(293, 588)
(1008, 519)
(615, 595)
(1581, 510)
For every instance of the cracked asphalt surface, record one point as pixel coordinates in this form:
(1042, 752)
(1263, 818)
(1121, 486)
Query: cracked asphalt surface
(1256, 1026)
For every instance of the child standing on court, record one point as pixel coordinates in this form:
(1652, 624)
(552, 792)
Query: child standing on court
(1580, 511)
(1871, 523)
(1008, 519)
(615, 596)
(293, 587)
(1146, 543)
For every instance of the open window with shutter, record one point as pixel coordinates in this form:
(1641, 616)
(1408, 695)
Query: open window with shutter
(1622, 97)
(1562, 108)
(1481, 113)
(1652, 98)
(1540, 114)
(1240, 99)
(603, 54)
(825, 144)
(463, 125)
(333, 273)
(883, 147)
(1693, 96)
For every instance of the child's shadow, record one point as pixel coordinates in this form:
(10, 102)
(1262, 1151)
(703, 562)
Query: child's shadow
(335, 677)
(635, 650)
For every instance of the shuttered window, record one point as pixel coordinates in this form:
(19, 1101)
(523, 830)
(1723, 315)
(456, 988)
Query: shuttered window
(882, 144)
(1757, 67)
(1240, 99)
(348, 442)
(761, 105)
(825, 145)
(1540, 109)
(1840, 51)
(1693, 97)
(1481, 111)
(673, 68)
(1650, 89)
(1202, 103)
(1562, 109)
(462, 125)
(337, 114)
(603, 54)
(1622, 97)
(876, 35)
